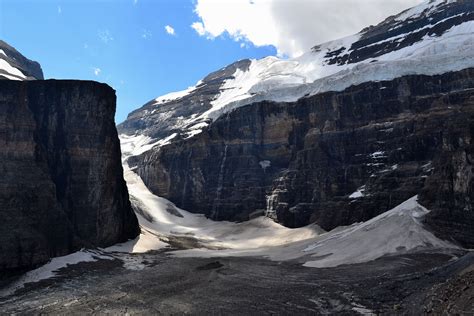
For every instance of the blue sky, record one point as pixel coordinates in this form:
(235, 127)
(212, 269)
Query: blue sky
(123, 43)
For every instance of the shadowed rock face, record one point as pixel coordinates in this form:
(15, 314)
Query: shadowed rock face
(334, 158)
(62, 183)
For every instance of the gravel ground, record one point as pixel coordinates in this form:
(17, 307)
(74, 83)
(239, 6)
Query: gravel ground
(157, 283)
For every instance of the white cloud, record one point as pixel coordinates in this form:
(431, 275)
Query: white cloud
(146, 34)
(169, 30)
(105, 36)
(199, 28)
(292, 26)
(97, 71)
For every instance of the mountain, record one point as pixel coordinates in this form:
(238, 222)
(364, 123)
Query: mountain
(350, 129)
(432, 38)
(15, 66)
(62, 185)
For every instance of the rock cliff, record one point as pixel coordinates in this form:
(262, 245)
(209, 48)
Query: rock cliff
(334, 158)
(62, 183)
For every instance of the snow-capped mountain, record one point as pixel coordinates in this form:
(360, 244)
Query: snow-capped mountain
(15, 66)
(329, 137)
(432, 38)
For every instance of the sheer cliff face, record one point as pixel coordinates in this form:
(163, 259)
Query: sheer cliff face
(334, 158)
(62, 182)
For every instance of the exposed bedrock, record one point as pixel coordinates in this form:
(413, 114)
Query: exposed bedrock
(62, 183)
(334, 158)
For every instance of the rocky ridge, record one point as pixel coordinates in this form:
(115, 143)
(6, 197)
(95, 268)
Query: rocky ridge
(15, 66)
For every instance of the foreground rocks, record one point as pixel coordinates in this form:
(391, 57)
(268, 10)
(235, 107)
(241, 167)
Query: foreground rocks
(335, 158)
(62, 183)
(156, 283)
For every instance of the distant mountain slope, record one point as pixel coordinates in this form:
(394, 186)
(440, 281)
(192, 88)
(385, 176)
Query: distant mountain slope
(432, 38)
(15, 66)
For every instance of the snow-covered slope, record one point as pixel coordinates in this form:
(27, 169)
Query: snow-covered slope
(432, 38)
(396, 231)
(161, 221)
(14, 66)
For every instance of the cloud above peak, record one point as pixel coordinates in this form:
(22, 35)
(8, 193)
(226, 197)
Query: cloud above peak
(169, 29)
(291, 26)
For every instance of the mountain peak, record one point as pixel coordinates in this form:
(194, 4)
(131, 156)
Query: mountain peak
(15, 66)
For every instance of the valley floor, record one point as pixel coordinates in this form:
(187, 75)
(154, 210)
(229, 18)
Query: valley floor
(157, 283)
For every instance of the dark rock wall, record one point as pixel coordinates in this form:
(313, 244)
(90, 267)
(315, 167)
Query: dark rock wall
(391, 139)
(449, 192)
(62, 183)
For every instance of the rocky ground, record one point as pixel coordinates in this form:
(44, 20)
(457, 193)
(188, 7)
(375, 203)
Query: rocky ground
(159, 283)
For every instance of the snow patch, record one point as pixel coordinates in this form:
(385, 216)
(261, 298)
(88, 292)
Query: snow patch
(265, 164)
(377, 155)
(50, 269)
(137, 144)
(11, 72)
(358, 194)
(174, 95)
